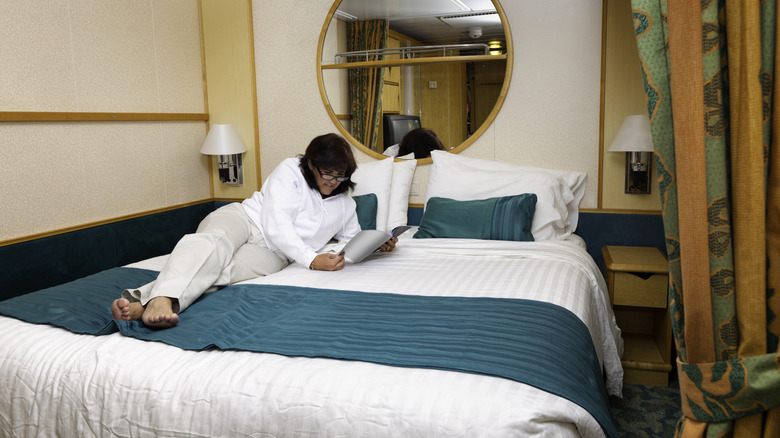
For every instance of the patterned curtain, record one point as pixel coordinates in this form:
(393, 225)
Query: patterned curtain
(366, 83)
(709, 69)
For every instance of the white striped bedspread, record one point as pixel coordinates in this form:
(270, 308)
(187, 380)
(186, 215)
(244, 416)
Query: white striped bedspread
(65, 384)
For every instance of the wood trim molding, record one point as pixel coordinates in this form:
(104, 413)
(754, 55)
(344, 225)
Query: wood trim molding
(255, 115)
(35, 116)
(583, 210)
(205, 88)
(602, 93)
(619, 211)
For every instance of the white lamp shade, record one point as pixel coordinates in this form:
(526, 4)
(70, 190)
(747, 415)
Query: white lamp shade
(222, 139)
(633, 136)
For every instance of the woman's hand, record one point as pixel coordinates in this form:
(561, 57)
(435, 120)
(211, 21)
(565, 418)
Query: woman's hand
(328, 262)
(389, 245)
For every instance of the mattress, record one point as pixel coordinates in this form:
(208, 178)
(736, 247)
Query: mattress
(57, 383)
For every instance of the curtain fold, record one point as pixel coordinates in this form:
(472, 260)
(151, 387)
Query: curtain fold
(366, 83)
(709, 70)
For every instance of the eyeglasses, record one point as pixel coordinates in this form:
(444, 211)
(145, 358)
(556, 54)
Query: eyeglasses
(327, 177)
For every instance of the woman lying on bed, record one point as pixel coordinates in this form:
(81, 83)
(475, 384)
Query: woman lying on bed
(302, 205)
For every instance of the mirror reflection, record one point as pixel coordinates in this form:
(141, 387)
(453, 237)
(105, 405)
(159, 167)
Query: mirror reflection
(391, 66)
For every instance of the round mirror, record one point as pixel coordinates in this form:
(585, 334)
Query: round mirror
(386, 67)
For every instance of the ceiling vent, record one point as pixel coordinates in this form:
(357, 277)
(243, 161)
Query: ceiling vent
(471, 20)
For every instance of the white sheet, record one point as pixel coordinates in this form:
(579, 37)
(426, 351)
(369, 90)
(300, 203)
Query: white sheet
(55, 383)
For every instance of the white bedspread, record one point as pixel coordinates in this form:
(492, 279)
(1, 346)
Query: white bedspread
(55, 383)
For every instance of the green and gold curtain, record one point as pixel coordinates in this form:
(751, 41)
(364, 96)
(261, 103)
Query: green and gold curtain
(709, 69)
(366, 83)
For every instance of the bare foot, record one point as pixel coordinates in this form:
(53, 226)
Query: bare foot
(159, 313)
(125, 310)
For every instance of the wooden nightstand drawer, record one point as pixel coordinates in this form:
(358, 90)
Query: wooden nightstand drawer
(633, 290)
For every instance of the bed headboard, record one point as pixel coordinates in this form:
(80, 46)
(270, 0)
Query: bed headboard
(48, 261)
(605, 228)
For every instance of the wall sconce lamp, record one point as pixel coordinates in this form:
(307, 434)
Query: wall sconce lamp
(635, 140)
(224, 142)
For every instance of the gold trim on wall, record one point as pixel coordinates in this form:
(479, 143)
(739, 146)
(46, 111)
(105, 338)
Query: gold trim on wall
(618, 211)
(205, 87)
(584, 210)
(600, 188)
(39, 116)
(255, 118)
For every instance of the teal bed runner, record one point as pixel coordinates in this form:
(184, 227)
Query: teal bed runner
(536, 343)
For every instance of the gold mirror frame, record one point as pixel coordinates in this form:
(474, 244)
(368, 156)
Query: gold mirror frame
(478, 133)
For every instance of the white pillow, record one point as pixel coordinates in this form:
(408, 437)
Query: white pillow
(463, 179)
(392, 151)
(375, 177)
(576, 181)
(401, 185)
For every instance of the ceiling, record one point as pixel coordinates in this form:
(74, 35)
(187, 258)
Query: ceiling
(431, 22)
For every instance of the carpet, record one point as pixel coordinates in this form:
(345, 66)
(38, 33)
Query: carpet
(646, 411)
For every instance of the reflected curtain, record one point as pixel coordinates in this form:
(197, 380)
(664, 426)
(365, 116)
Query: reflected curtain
(709, 72)
(366, 83)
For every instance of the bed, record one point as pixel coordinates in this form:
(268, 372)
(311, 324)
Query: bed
(357, 375)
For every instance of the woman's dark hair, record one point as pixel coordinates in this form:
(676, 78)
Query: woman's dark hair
(421, 141)
(329, 151)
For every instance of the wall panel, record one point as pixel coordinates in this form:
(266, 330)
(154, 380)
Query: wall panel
(42, 184)
(227, 36)
(178, 56)
(98, 56)
(624, 95)
(114, 43)
(36, 63)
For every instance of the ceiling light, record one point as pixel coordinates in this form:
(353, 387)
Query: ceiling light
(495, 48)
(461, 5)
(345, 16)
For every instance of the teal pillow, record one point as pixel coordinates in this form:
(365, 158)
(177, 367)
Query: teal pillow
(366, 210)
(500, 218)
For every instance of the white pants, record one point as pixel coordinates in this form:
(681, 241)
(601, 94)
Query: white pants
(227, 248)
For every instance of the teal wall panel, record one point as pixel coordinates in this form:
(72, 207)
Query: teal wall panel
(49, 261)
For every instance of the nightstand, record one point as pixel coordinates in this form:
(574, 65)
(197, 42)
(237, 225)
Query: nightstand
(638, 281)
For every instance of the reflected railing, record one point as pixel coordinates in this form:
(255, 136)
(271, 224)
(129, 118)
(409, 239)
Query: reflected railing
(410, 52)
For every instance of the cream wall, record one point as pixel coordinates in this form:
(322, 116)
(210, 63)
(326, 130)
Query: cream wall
(289, 106)
(550, 117)
(336, 81)
(124, 56)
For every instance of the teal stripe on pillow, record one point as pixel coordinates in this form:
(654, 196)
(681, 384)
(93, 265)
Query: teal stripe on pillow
(500, 218)
(366, 210)
(512, 218)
